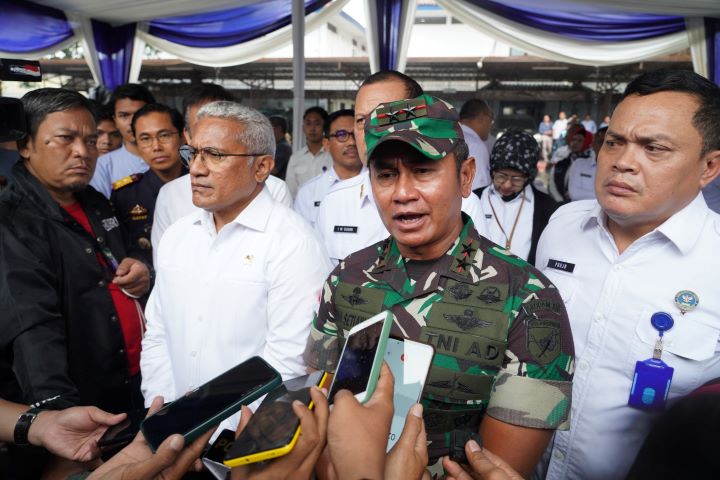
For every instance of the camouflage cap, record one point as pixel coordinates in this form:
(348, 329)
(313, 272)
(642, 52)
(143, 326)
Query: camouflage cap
(429, 124)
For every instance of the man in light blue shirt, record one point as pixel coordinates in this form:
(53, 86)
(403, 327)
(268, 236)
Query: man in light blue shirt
(111, 167)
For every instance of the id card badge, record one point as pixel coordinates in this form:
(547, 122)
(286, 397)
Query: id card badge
(651, 384)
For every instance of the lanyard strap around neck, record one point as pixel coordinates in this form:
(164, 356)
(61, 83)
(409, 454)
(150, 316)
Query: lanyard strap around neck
(508, 240)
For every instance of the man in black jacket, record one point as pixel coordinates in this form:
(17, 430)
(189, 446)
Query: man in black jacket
(70, 326)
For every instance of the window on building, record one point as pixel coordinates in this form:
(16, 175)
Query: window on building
(455, 21)
(332, 28)
(354, 43)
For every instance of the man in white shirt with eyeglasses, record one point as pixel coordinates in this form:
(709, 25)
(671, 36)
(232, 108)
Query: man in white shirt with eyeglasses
(239, 277)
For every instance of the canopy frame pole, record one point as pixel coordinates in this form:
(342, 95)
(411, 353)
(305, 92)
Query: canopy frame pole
(298, 38)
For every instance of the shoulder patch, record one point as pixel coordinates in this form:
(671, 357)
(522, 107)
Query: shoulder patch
(126, 181)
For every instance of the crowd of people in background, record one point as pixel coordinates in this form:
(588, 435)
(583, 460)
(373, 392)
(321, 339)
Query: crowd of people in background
(144, 251)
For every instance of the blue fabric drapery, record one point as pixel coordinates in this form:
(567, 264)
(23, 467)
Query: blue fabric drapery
(712, 36)
(607, 27)
(114, 47)
(27, 27)
(229, 27)
(389, 13)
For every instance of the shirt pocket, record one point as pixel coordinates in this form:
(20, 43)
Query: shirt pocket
(566, 283)
(688, 347)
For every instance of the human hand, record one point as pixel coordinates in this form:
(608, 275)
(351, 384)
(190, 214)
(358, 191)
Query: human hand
(137, 462)
(358, 434)
(409, 457)
(484, 464)
(72, 433)
(132, 276)
(300, 462)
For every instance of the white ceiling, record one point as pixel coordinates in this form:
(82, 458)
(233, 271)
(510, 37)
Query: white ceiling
(118, 12)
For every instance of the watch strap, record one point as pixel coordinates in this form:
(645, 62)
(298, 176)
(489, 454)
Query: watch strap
(22, 427)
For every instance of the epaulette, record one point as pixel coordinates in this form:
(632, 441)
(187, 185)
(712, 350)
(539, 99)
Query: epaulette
(126, 181)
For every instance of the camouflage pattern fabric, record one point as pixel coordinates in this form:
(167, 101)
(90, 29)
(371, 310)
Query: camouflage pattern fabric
(427, 123)
(502, 340)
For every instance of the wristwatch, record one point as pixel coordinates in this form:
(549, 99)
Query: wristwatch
(22, 427)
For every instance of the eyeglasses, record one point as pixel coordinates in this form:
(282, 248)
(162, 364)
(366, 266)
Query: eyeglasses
(342, 135)
(515, 180)
(210, 156)
(164, 138)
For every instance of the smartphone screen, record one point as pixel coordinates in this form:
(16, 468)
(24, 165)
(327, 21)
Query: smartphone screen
(224, 394)
(274, 424)
(356, 362)
(410, 363)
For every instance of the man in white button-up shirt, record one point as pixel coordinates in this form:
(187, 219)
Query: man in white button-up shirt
(175, 198)
(339, 142)
(476, 120)
(242, 276)
(312, 159)
(648, 244)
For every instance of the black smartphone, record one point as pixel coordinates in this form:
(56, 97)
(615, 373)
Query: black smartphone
(205, 407)
(124, 432)
(274, 428)
(458, 439)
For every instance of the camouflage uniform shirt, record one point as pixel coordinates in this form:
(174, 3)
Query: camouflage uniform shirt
(503, 345)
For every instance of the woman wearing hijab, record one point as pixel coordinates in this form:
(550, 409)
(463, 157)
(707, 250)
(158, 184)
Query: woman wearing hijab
(572, 176)
(515, 212)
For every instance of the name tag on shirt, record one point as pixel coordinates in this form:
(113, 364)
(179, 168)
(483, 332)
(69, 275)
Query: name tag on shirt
(345, 229)
(317, 203)
(558, 265)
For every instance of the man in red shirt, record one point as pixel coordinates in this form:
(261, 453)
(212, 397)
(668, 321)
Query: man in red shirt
(71, 327)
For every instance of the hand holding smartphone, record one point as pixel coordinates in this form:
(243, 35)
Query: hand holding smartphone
(205, 407)
(361, 358)
(274, 429)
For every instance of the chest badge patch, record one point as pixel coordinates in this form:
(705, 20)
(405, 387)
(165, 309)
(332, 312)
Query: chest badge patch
(355, 299)
(467, 320)
(138, 212)
(686, 301)
(460, 291)
(490, 295)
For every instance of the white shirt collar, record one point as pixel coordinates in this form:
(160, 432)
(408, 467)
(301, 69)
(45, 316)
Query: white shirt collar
(255, 216)
(682, 229)
(306, 151)
(529, 195)
(366, 188)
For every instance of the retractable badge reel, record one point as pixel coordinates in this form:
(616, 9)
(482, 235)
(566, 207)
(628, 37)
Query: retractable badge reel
(652, 378)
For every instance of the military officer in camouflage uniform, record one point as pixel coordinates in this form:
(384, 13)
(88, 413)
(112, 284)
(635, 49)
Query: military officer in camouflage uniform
(157, 130)
(503, 348)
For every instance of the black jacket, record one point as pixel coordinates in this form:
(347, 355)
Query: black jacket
(59, 330)
(545, 206)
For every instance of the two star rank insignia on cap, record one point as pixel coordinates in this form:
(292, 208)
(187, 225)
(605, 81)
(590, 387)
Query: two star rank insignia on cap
(401, 111)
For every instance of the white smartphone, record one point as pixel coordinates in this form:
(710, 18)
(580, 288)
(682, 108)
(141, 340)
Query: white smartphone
(358, 369)
(410, 363)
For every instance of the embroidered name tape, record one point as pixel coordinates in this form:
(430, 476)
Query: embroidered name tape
(558, 265)
(345, 229)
